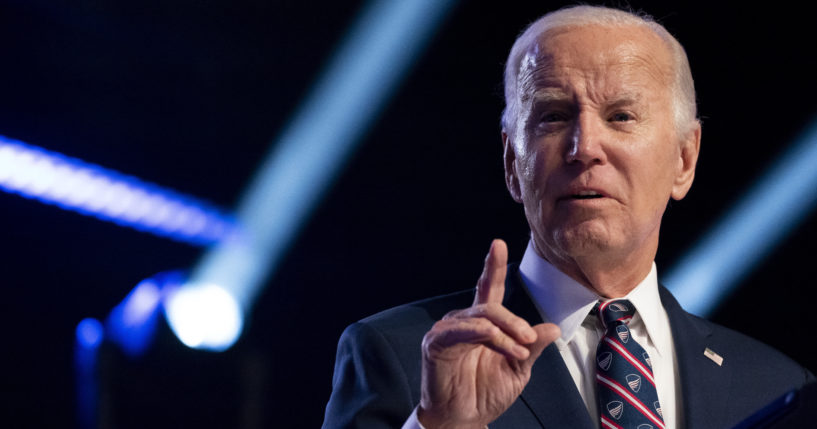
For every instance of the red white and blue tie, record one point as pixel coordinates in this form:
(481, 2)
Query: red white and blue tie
(626, 388)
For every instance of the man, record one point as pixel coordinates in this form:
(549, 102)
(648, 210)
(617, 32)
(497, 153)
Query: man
(599, 132)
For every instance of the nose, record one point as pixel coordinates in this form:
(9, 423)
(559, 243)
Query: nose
(586, 141)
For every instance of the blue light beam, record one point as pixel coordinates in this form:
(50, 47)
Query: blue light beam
(360, 78)
(89, 336)
(779, 201)
(91, 190)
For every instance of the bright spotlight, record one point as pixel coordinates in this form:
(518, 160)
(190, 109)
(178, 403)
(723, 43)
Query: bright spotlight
(204, 316)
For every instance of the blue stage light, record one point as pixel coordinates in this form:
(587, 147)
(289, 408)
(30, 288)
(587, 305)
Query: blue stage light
(132, 323)
(89, 333)
(312, 149)
(89, 336)
(779, 201)
(141, 303)
(71, 184)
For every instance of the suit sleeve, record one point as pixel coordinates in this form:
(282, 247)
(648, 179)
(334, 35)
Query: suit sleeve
(370, 388)
(808, 376)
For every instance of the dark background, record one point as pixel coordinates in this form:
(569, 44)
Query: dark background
(188, 94)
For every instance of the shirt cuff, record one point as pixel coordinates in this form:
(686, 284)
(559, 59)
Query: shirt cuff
(413, 423)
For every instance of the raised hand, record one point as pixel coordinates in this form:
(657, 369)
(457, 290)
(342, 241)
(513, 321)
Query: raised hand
(477, 360)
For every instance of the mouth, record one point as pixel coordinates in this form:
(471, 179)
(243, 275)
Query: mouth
(586, 195)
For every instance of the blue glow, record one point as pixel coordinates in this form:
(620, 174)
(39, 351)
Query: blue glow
(71, 184)
(310, 152)
(89, 336)
(141, 303)
(89, 333)
(132, 323)
(780, 200)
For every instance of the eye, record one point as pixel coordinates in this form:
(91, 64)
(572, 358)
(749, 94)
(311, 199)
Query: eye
(621, 117)
(551, 117)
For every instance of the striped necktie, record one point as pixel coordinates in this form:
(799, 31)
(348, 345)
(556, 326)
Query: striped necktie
(626, 388)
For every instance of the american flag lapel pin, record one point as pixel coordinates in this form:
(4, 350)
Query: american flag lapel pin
(713, 356)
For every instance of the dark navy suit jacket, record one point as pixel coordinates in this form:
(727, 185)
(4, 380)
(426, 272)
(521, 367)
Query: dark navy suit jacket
(377, 370)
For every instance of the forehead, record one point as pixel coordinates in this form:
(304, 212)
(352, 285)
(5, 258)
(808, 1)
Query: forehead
(599, 58)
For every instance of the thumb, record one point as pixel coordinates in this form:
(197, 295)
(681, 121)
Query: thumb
(546, 333)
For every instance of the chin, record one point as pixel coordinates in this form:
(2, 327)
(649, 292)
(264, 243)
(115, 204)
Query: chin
(582, 240)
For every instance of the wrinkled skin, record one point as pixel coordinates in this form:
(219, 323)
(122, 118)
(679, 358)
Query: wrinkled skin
(594, 157)
(596, 152)
(476, 361)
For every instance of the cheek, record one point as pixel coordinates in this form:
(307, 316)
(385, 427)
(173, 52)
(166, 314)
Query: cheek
(533, 181)
(526, 172)
(537, 163)
(656, 180)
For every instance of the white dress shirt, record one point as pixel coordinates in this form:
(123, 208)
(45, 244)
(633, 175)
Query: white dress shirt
(565, 302)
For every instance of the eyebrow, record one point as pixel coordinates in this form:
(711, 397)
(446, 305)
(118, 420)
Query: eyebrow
(544, 95)
(552, 95)
(626, 99)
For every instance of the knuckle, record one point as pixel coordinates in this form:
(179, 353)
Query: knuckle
(428, 340)
(486, 327)
(453, 314)
(434, 336)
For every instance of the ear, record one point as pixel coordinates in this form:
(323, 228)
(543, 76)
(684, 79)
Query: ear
(688, 158)
(509, 157)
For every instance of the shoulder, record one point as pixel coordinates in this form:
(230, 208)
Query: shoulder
(413, 320)
(402, 324)
(744, 352)
(390, 340)
(376, 382)
(726, 370)
(726, 375)
(750, 353)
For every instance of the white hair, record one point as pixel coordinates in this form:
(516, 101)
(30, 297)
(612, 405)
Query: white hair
(683, 88)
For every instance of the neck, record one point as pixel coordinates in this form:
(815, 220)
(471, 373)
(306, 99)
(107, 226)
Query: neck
(609, 274)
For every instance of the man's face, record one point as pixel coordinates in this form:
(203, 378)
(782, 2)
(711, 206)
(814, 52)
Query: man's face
(594, 155)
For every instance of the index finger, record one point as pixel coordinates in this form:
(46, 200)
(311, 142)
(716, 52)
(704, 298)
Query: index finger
(491, 284)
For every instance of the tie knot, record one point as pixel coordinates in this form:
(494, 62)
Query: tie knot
(615, 312)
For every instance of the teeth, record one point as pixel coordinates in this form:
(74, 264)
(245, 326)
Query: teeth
(586, 195)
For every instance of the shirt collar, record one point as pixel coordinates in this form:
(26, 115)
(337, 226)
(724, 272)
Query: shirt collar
(648, 305)
(566, 302)
(559, 298)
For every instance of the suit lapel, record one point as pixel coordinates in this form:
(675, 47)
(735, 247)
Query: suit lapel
(551, 393)
(703, 382)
